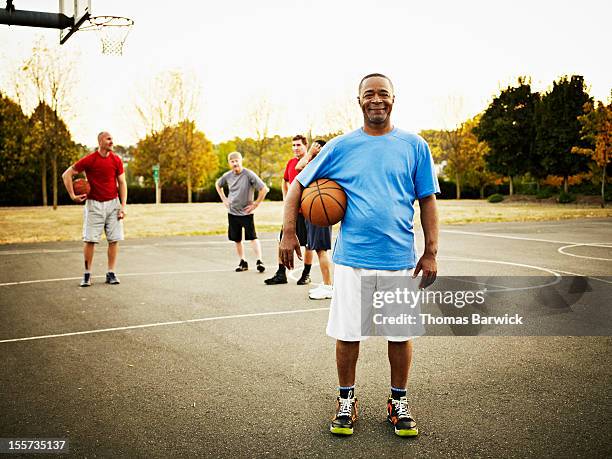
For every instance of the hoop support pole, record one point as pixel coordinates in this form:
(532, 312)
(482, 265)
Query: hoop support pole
(35, 19)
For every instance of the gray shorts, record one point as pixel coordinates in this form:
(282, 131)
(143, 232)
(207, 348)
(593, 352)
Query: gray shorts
(99, 216)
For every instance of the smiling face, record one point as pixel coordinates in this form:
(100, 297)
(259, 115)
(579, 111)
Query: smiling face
(376, 99)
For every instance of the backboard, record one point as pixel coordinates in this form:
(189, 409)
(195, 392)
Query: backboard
(80, 10)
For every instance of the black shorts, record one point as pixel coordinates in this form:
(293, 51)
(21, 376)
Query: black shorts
(319, 237)
(236, 223)
(300, 229)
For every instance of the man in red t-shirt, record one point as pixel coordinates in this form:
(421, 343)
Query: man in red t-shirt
(105, 203)
(299, 145)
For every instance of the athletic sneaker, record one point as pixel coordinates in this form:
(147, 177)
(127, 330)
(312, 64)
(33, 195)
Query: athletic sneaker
(304, 279)
(242, 266)
(398, 414)
(345, 418)
(322, 292)
(279, 278)
(86, 281)
(111, 278)
(260, 266)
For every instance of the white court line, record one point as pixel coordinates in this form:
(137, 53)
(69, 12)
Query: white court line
(561, 251)
(161, 324)
(556, 280)
(157, 273)
(520, 238)
(553, 271)
(124, 246)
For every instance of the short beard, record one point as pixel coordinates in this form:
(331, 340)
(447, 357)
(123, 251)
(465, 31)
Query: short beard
(377, 120)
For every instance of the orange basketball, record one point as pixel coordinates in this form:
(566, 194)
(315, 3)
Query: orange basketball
(323, 202)
(81, 186)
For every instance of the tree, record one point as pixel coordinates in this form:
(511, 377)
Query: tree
(195, 161)
(343, 115)
(49, 74)
(558, 128)
(14, 140)
(597, 131)
(508, 128)
(152, 150)
(459, 150)
(476, 173)
(50, 137)
(258, 149)
(166, 109)
(191, 165)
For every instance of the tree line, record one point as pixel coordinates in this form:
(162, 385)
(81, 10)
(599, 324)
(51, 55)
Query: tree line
(523, 133)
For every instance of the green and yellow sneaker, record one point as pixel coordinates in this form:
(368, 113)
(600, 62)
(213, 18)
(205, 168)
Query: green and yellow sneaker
(398, 414)
(345, 418)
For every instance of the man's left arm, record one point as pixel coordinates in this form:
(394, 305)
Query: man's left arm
(429, 221)
(261, 194)
(122, 195)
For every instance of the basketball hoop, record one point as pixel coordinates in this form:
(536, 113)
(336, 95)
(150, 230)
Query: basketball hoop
(112, 30)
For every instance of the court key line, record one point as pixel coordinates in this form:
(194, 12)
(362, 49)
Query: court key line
(562, 251)
(161, 324)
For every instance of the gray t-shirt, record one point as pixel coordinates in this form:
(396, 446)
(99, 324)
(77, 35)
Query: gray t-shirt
(240, 186)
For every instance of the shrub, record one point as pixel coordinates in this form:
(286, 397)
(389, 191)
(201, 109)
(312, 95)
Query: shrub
(565, 198)
(495, 198)
(544, 193)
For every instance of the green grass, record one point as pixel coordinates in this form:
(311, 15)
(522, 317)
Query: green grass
(38, 224)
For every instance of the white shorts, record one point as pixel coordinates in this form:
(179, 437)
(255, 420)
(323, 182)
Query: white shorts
(101, 216)
(345, 321)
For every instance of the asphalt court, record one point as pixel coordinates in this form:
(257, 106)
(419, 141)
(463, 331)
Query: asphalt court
(188, 358)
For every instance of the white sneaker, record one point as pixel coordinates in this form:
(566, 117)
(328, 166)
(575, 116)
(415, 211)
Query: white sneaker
(323, 292)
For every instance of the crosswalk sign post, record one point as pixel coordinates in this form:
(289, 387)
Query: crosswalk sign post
(156, 179)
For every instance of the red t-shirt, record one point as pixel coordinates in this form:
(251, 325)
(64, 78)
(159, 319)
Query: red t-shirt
(101, 174)
(290, 172)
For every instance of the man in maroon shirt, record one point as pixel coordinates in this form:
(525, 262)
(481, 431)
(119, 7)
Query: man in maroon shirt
(105, 206)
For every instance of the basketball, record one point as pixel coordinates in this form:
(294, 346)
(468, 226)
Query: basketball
(81, 186)
(323, 202)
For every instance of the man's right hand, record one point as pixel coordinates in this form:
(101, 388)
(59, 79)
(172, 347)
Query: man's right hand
(227, 204)
(289, 244)
(78, 198)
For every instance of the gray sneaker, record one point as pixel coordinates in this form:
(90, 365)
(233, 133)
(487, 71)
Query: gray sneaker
(86, 281)
(111, 278)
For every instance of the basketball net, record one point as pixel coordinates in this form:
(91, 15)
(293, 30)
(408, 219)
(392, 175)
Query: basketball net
(113, 31)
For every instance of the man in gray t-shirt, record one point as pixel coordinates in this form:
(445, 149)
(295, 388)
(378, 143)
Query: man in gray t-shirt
(241, 183)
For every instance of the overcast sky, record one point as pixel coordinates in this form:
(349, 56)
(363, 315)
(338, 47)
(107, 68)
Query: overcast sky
(308, 56)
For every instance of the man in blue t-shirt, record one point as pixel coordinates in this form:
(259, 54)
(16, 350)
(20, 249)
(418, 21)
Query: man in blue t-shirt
(383, 170)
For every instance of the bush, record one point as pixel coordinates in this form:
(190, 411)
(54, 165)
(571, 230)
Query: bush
(495, 198)
(544, 193)
(565, 198)
(275, 194)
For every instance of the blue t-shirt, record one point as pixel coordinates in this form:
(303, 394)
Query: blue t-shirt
(382, 176)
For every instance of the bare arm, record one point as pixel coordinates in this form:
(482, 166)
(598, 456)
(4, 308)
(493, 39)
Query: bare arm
(285, 188)
(261, 194)
(221, 194)
(303, 162)
(122, 195)
(429, 221)
(67, 178)
(289, 242)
